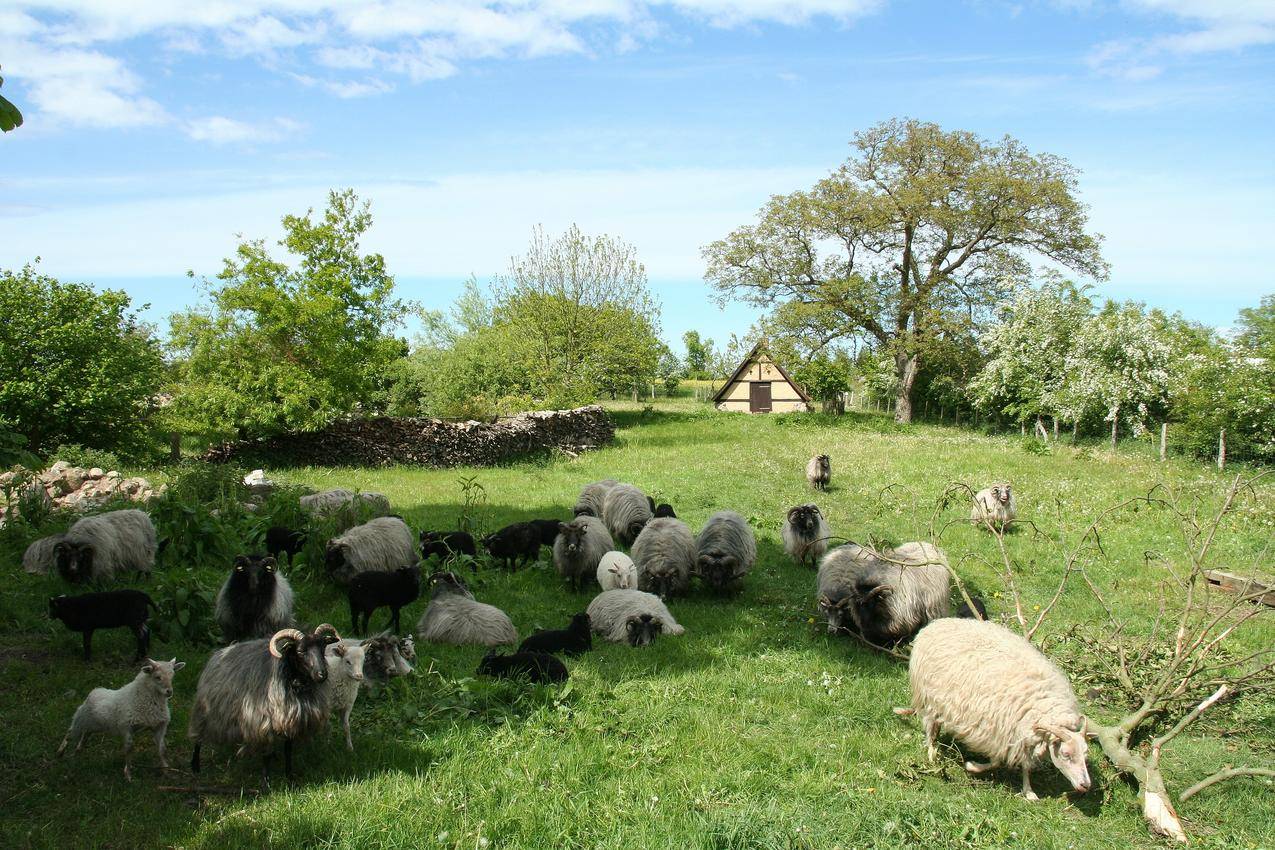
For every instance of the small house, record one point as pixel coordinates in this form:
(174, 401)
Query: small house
(760, 385)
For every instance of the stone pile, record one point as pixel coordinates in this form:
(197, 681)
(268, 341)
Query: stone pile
(73, 487)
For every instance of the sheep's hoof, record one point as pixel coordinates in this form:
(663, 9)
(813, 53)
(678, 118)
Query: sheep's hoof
(977, 767)
(1030, 796)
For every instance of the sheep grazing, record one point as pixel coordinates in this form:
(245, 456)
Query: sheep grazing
(548, 529)
(805, 534)
(616, 571)
(40, 558)
(111, 609)
(447, 545)
(384, 543)
(254, 601)
(368, 591)
(631, 616)
(140, 705)
(385, 656)
(626, 512)
(98, 547)
(664, 556)
(726, 550)
(819, 472)
(538, 667)
(281, 541)
(514, 544)
(994, 507)
(454, 617)
(885, 597)
(333, 501)
(253, 694)
(576, 638)
(665, 511)
(996, 694)
(593, 496)
(345, 675)
(579, 549)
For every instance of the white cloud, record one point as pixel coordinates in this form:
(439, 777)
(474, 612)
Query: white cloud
(1212, 26)
(220, 130)
(77, 87)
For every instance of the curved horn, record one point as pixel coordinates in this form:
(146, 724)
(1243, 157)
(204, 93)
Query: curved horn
(879, 590)
(328, 632)
(293, 635)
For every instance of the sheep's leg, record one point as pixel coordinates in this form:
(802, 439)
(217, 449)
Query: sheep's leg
(931, 736)
(143, 641)
(354, 617)
(287, 757)
(194, 759)
(128, 752)
(345, 723)
(394, 618)
(265, 771)
(160, 732)
(1028, 793)
(977, 767)
(88, 645)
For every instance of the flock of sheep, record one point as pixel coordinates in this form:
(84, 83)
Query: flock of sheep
(276, 684)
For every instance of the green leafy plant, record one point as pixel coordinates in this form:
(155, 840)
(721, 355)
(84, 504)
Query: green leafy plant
(473, 515)
(13, 451)
(77, 455)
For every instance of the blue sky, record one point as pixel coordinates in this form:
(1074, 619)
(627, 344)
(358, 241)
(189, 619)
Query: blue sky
(156, 131)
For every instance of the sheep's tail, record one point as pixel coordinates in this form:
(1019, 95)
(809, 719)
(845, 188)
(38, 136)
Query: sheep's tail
(905, 712)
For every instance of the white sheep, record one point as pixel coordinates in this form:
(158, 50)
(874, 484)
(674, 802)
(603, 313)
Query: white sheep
(996, 694)
(345, 675)
(384, 543)
(41, 556)
(634, 617)
(994, 506)
(616, 571)
(140, 705)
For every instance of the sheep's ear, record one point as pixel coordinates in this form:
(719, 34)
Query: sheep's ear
(268, 563)
(339, 650)
(1051, 731)
(177, 665)
(241, 561)
(148, 668)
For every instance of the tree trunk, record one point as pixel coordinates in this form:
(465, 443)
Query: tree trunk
(1164, 441)
(1221, 449)
(905, 368)
(1115, 425)
(1055, 418)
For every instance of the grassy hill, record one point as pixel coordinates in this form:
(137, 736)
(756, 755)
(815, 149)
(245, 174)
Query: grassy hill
(755, 729)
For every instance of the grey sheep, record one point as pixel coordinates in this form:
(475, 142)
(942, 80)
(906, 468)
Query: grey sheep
(329, 502)
(805, 534)
(592, 497)
(254, 601)
(41, 556)
(384, 544)
(578, 549)
(664, 555)
(454, 617)
(631, 616)
(626, 511)
(725, 551)
(819, 472)
(998, 695)
(994, 506)
(884, 596)
(98, 547)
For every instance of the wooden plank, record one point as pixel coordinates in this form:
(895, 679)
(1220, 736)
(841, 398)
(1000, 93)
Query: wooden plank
(1241, 585)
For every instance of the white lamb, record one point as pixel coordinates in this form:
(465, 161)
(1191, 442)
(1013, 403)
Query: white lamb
(345, 675)
(616, 571)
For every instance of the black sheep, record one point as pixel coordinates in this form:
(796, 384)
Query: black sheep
(281, 539)
(374, 589)
(664, 511)
(538, 667)
(109, 609)
(576, 638)
(514, 544)
(447, 545)
(979, 605)
(548, 529)
(255, 601)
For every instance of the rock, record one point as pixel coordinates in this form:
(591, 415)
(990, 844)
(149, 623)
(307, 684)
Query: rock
(95, 473)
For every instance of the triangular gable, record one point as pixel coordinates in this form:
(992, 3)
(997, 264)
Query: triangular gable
(748, 359)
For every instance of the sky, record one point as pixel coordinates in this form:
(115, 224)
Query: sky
(157, 132)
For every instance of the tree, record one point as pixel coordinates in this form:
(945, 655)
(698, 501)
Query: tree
(699, 356)
(290, 347)
(1257, 329)
(670, 371)
(826, 378)
(920, 228)
(10, 116)
(76, 366)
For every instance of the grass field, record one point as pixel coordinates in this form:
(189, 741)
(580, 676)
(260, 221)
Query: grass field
(755, 729)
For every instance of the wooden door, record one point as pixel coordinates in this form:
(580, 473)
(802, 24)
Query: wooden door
(759, 397)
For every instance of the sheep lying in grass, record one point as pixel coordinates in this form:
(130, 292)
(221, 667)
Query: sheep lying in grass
(40, 557)
(108, 609)
(885, 597)
(616, 571)
(996, 694)
(345, 675)
(384, 543)
(593, 496)
(805, 534)
(454, 617)
(141, 705)
(631, 616)
(255, 600)
(579, 548)
(576, 638)
(333, 501)
(626, 511)
(98, 547)
(819, 472)
(664, 555)
(537, 667)
(725, 551)
(994, 506)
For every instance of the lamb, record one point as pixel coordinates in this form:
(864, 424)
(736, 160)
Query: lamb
(998, 695)
(726, 550)
(665, 511)
(140, 705)
(885, 597)
(616, 571)
(593, 496)
(548, 529)
(371, 590)
(281, 540)
(819, 472)
(345, 675)
(109, 609)
(332, 501)
(626, 512)
(514, 544)
(994, 507)
(385, 656)
(805, 534)
(579, 549)
(252, 694)
(538, 667)
(454, 617)
(664, 556)
(40, 558)
(97, 547)
(631, 616)
(447, 545)
(384, 543)
(576, 638)
(254, 601)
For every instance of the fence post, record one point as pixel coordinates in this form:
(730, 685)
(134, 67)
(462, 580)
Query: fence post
(1164, 441)
(1221, 449)
(1115, 423)
(1055, 418)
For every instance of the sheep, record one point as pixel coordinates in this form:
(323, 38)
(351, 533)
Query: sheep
(579, 549)
(998, 695)
(664, 556)
(281, 540)
(994, 507)
(332, 501)
(664, 511)
(447, 545)
(345, 675)
(254, 601)
(514, 544)
(819, 472)
(454, 617)
(95, 548)
(726, 550)
(41, 556)
(576, 638)
(371, 590)
(593, 496)
(140, 705)
(548, 529)
(109, 609)
(616, 571)
(805, 534)
(385, 656)
(884, 597)
(626, 511)
(537, 667)
(631, 616)
(384, 543)
(252, 694)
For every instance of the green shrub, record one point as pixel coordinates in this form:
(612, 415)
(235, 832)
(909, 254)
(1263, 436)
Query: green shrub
(77, 455)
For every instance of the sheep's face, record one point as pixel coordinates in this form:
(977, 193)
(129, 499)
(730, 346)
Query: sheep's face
(642, 629)
(631, 533)
(448, 583)
(870, 607)
(74, 560)
(1002, 493)
(254, 574)
(717, 568)
(580, 623)
(304, 656)
(837, 613)
(346, 661)
(623, 578)
(336, 558)
(572, 536)
(805, 519)
(1068, 750)
(382, 658)
(159, 674)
